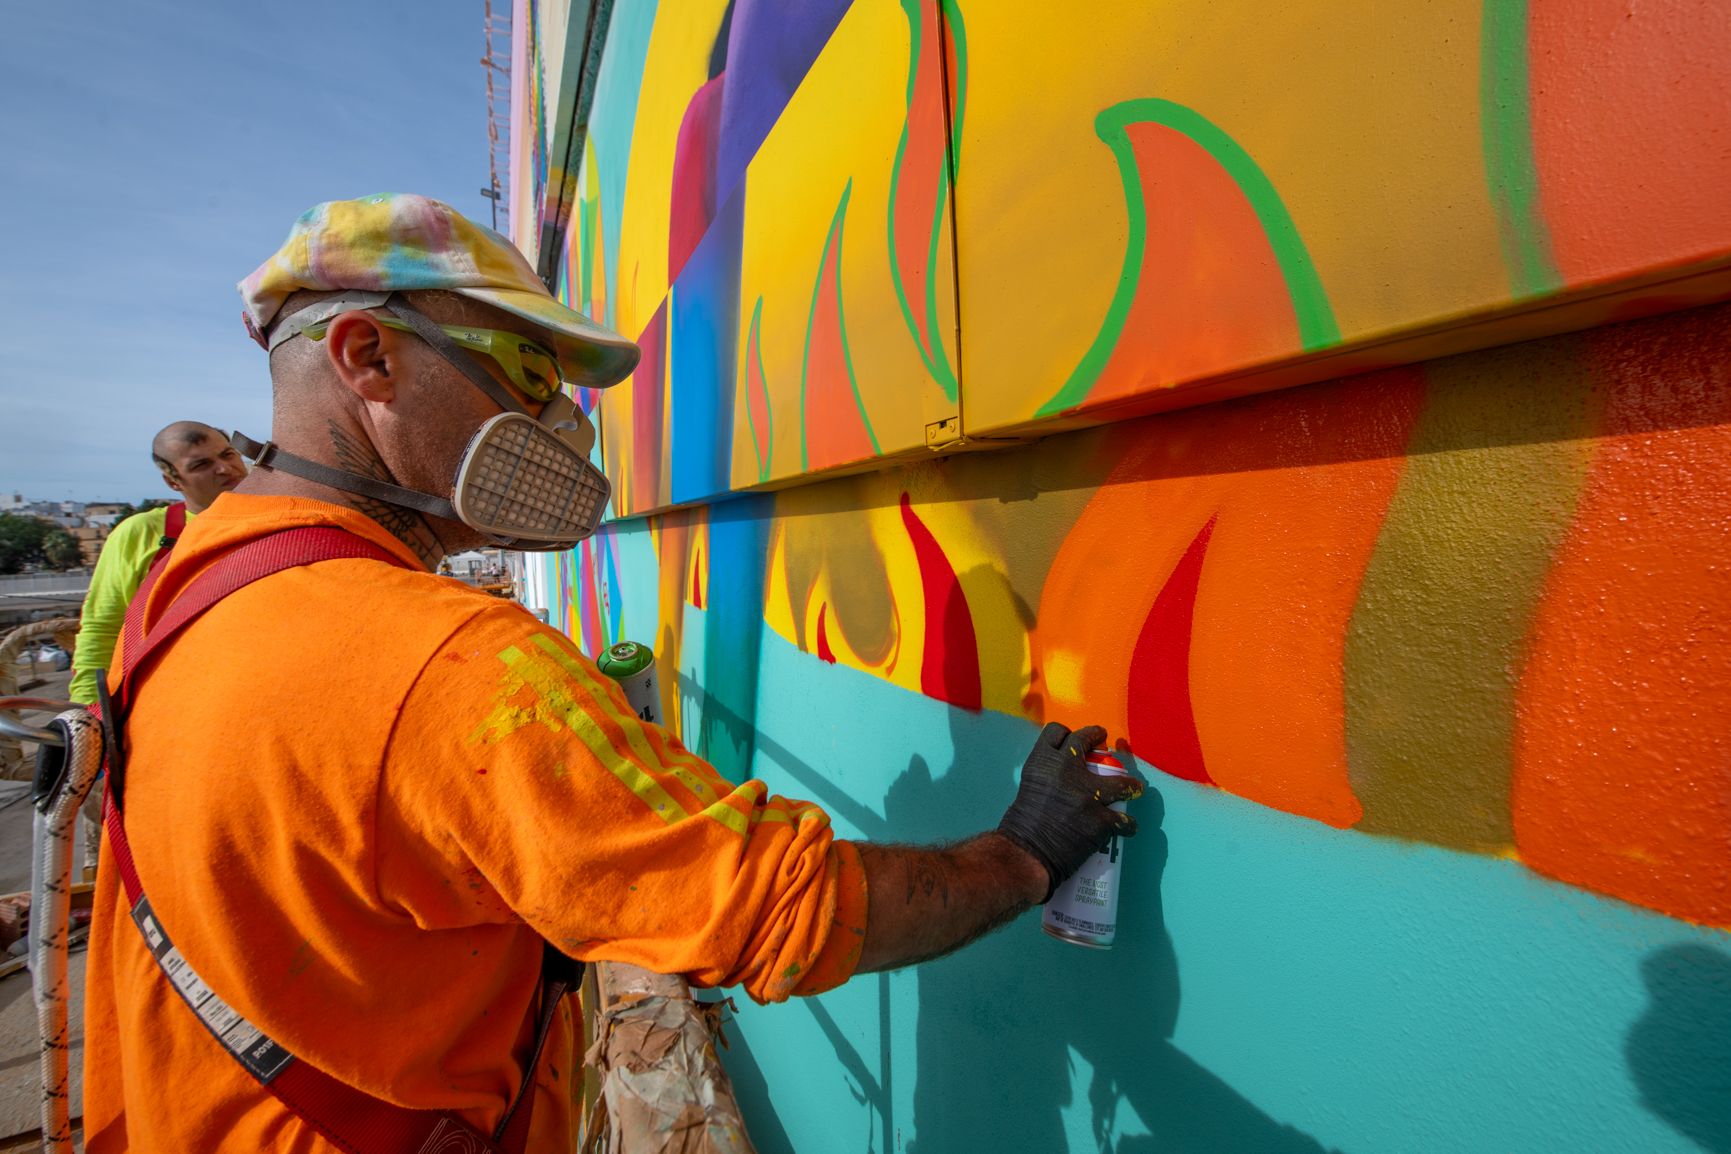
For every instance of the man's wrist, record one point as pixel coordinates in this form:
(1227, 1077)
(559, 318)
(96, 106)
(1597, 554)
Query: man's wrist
(1030, 876)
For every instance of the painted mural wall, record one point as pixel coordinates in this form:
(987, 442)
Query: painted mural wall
(1329, 401)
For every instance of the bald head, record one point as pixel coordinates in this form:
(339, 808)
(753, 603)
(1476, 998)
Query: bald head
(176, 438)
(197, 462)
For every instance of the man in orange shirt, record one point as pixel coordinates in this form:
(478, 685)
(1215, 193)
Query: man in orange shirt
(360, 797)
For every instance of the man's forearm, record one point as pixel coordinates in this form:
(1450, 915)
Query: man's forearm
(923, 903)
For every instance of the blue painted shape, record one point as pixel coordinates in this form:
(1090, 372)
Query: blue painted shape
(631, 573)
(613, 606)
(702, 345)
(1277, 985)
(773, 45)
(732, 631)
(613, 118)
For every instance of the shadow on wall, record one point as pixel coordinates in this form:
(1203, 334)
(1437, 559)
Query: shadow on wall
(999, 1020)
(1679, 1051)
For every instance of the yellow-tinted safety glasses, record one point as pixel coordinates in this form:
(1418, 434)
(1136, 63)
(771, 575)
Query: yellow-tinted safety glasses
(528, 366)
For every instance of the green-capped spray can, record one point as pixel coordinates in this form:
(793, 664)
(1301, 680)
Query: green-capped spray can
(633, 667)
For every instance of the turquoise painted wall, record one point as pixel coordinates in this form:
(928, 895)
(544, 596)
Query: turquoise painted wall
(1277, 986)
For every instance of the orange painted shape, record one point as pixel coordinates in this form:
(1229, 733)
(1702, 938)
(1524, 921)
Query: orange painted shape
(834, 432)
(1298, 484)
(1623, 732)
(921, 174)
(1210, 293)
(1631, 118)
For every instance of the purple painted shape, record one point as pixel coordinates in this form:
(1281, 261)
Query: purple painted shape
(771, 47)
(694, 200)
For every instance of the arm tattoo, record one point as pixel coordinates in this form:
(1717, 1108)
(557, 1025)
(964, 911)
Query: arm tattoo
(926, 878)
(405, 525)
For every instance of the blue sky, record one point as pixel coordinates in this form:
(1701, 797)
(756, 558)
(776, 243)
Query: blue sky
(151, 155)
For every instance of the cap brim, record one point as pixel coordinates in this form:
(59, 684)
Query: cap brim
(590, 355)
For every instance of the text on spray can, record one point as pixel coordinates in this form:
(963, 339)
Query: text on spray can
(1084, 910)
(633, 667)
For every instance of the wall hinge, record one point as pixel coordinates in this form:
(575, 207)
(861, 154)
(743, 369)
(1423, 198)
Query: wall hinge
(944, 432)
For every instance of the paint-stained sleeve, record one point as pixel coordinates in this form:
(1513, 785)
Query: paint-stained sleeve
(520, 780)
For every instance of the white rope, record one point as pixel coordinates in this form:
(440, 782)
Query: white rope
(50, 921)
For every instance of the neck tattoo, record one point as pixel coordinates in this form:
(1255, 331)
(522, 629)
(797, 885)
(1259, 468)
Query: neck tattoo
(405, 525)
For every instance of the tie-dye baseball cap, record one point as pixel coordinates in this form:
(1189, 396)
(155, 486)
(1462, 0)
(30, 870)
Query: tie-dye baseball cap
(399, 241)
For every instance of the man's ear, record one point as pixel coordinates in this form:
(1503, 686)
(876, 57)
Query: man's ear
(172, 482)
(366, 356)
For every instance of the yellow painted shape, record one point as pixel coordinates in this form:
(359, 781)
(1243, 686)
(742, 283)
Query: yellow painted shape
(676, 66)
(1363, 115)
(777, 604)
(672, 539)
(843, 124)
(598, 247)
(1000, 623)
(809, 519)
(613, 414)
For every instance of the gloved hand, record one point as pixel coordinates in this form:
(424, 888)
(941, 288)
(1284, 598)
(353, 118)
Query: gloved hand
(1060, 814)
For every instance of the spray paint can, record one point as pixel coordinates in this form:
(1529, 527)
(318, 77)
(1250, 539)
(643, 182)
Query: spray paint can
(633, 667)
(1084, 910)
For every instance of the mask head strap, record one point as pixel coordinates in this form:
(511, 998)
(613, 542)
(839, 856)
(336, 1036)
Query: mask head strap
(266, 455)
(453, 352)
(306, 318)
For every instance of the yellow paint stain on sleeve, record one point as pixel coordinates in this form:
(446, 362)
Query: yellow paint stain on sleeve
(551, 687)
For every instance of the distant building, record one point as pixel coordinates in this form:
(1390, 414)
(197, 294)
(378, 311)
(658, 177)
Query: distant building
(90, 538)
(89, 523)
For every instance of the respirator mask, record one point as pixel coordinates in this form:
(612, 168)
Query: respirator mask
(524, 481)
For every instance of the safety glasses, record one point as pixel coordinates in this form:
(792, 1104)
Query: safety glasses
(527, 365)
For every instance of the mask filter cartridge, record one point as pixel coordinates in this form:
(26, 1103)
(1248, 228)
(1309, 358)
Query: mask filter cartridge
(527, 486)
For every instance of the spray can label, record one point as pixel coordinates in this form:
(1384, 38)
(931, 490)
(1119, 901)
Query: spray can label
(1084, 910)
(633, 667)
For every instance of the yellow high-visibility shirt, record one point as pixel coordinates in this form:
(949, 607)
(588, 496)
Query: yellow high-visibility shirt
(119, 571)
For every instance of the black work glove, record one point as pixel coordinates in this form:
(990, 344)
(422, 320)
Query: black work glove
(1060, 814)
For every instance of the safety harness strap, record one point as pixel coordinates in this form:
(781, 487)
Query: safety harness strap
(173, 525)
(350, 1118)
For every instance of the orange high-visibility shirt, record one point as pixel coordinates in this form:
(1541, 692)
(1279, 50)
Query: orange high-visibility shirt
(359, 797)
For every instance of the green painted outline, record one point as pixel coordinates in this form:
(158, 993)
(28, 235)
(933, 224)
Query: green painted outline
(833, 240)
(754, 339)
(841, 326)
(585, 250)
(953, 12)
(1316, 324)
(948, 382)
(929, 345)
(1511, 169)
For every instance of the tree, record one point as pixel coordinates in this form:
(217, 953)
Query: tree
(60, 550)
(21, 541)
(143, 506)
